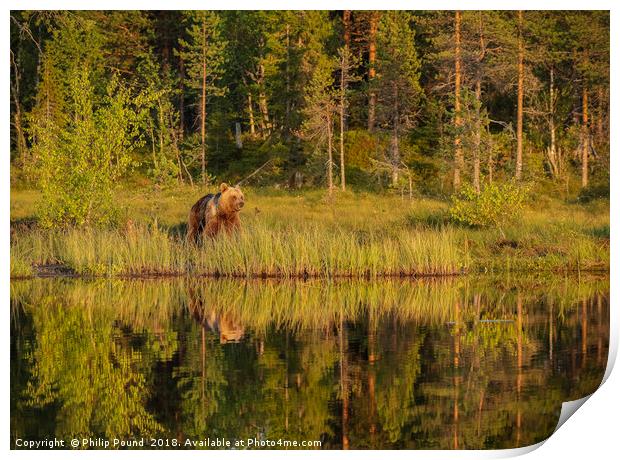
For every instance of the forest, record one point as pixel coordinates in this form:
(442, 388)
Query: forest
(483, 114)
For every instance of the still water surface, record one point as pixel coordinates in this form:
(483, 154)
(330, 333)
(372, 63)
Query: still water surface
(433, 364)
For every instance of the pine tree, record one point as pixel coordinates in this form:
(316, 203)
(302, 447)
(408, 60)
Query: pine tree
(397, 82)
(203, 55)
(347, 63)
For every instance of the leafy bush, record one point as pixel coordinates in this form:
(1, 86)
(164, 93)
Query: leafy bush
(495, 205)
(82, 156)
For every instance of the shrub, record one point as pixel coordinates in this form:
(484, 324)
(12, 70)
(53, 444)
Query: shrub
(82, 156)
(495, 206)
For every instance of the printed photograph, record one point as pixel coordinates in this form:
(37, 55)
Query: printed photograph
(306, 229)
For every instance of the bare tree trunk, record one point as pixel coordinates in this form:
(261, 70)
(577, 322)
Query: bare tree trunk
(181, 98)
(553, 156)
(519, 166)
(330, 161)
(601, 115)
(17, 116)
(262, 101)
(288, 83)
(203, 104)
(251, 114)
(372, 55)
(342, 105)
(458, 152)
(585, 141)
(478, 133)
(395, 156)
(395, 131)
(161, 129)
(477, 137)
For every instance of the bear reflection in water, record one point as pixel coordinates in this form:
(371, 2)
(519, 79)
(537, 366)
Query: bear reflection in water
(228, 327)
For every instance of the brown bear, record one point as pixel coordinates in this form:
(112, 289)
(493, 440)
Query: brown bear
(212, 213)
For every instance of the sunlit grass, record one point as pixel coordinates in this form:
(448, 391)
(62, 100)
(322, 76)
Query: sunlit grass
(288, 234)
(257, 251)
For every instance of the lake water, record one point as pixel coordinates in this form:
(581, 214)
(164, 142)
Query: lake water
(458, 363)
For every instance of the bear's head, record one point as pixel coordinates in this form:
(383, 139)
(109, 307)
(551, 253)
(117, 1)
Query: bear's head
(231, 200)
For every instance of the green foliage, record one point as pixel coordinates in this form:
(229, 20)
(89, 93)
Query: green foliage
(398, 71)
(255, 69)
(203, 52)
(81, 160)
(495, 206)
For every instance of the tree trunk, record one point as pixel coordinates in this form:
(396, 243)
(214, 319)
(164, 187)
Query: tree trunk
(203, 104)
(17, 116)
(601, 115)
(372, 55)
(161, 129)
(395, 156)
(553, 157)
(458, 152)
(330, 162)
(585, 135)
(287, 114)
(342, 104)
(181, 98)
(395, 132)
(478, 133)
(346, 24)
(262, 101)
(519, 166)
(477, 137)
(251, 114)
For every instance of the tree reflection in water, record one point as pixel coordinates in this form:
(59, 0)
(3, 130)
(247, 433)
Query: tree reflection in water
(453, 364)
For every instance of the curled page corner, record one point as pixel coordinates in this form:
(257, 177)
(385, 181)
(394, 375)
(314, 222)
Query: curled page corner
(568, 409)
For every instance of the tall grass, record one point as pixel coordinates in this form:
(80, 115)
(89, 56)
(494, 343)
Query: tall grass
(308, 235)
(257, 251)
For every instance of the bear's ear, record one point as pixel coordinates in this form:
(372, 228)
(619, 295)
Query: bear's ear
(223, 187)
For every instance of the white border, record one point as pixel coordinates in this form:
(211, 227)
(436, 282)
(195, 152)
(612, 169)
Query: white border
(591, 433)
